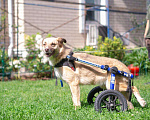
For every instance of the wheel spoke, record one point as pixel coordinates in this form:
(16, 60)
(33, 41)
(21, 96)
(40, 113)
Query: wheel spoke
(112, 103)
(105, 102)
(118, 104)
(109, 99)
(115, 99)
(104, 107)
(117, 110)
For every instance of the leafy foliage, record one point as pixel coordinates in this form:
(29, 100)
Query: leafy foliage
(3, 26)
(111, 48)
(4, 61)
(107, 48)
(137, 57)
(34, 59)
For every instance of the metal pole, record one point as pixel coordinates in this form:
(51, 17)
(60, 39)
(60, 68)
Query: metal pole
(85, 29)
(4, 21)
(3, 64)
(108, 35)
(17, 28)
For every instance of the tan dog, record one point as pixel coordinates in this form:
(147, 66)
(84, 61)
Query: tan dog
(85, 74)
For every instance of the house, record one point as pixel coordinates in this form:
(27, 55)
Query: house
(79, 21)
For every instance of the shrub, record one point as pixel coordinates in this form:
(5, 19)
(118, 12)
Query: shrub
(107, 48)
(6, 63)
(34, 59)
(111, 48)
(137, 57)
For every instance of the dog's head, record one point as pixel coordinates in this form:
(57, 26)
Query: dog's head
(52, 45)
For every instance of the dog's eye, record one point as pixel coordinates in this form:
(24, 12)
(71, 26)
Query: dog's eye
(53, 44)
(44, 43)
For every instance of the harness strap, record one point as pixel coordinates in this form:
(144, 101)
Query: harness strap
(66, 62)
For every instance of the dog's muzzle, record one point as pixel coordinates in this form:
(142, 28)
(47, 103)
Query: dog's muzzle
(49, 52)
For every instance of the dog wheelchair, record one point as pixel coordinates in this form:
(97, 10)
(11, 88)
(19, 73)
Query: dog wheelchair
(111, 100)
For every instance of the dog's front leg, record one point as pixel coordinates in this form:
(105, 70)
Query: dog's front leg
(75, 91)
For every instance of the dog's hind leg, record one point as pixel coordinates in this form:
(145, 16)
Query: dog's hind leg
(138, 97)
(126, 95)
(122, 87)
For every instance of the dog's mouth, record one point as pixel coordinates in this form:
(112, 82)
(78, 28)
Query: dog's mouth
(49, 54)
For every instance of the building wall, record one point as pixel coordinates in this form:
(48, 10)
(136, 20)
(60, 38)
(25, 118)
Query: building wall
(65, 23)
(122, 22)
(54, 20)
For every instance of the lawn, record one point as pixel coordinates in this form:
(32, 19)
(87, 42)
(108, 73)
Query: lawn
(42, 100)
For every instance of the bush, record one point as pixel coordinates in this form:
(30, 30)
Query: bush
(107, 48)
(137, 57)
(111, 48)
(34, 61)
(6, 62)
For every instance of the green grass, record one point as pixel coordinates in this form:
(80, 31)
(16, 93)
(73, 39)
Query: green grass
(42, 100)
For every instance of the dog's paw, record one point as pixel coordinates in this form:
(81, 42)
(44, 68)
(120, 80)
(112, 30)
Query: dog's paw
(142, 102)
(77, 107)
(130, 106)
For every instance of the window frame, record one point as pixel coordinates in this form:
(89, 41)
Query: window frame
(96, 14)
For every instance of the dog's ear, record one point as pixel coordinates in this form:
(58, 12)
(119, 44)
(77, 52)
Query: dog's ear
(61, 40)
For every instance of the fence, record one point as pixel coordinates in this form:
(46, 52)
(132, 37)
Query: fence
(79, 22)
(35, 66)
(5, 70)
(31, 67)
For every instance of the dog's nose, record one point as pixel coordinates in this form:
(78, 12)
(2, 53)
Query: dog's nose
(46, 49)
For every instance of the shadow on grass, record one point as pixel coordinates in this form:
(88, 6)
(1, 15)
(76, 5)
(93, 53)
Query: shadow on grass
(86, 105)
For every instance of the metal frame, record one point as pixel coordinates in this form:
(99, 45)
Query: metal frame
(113, 70)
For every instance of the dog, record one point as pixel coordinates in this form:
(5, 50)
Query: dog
(56, 51)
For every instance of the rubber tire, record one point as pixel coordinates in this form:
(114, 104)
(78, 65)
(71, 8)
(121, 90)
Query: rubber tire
(101, 97)
(92, 93)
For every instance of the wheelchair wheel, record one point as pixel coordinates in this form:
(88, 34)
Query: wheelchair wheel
(93, 94)
(110, 100)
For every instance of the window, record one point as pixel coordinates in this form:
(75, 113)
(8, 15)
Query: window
(92, 35)
(90, 14)
(92, 20)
